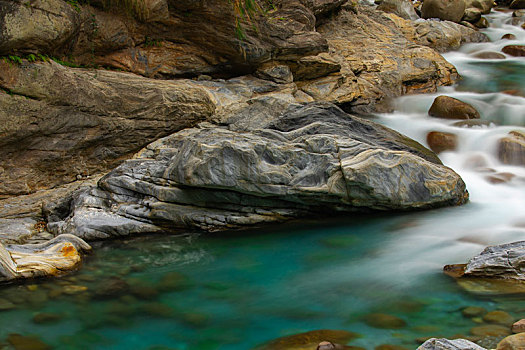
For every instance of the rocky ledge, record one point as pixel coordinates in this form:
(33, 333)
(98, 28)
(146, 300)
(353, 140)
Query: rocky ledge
(496, 270)
(313, 159)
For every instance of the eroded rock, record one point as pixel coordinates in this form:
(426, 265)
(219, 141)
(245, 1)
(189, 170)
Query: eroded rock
(445, 344)
(55, 257)
(311, 159)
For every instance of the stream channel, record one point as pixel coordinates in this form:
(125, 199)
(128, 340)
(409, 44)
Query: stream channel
(237, 290)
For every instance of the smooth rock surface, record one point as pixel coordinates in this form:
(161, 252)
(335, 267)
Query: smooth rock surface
(519, 326)
(450, 108)
(512, 342)
(445, 344)
(441, 141)
(401, 8)
(511, 149)
(311, 159)
(514, 50)
(55, 257)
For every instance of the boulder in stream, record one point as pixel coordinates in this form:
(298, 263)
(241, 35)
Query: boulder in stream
(447, 107)
(514, 50)
(446, 10)
(511, 149)
(312, 160)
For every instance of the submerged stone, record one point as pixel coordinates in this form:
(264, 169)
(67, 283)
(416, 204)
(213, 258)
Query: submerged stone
(22, 342)
(473, 311)
(6, 305)
(492, 330)
(378, 320)
(498, 316)
(308, 340)
(47, 317)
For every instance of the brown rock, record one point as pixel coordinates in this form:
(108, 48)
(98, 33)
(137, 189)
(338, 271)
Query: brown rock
(482, 23)
(490, 330)
(509, 36)
(514, 50)
(308, 340)
(21, 342)
(472, 15)
(378, 320)
(490, 55)
(519, 326)
(450, 108)
(483, 5)
(511, 149)
(500, 178)
(390, 347)
(313, 67)
(499, 317)
(513, 342)
(79, 122)
(446, 10)
(401, 8)
(441, 141)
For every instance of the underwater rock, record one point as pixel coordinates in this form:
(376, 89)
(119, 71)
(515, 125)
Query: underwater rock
(499, 317)
(490, 55)
(6, 305)
(445, 344)
(492, 330)
(111, 287)
(313, 159)
(46, 317)
(447, 107)
(390, 347)
(473, 311)
(385, 321)
(308, 340)
(22, 342)
(52, 258)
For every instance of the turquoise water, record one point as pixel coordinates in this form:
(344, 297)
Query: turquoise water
(239, 289)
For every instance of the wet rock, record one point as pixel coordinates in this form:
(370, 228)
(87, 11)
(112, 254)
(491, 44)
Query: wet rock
(492, 330)
(385, 321)
(491, 55)
(143, 291)
(512, 342)
(517, 4)
(44, 26)
(22, 342)
(446, 10)
(499, 317)
(308, 340)
(111, 287)
(401, 8)
(482, 23)
(52, 258)
(472, 15)
(514, 50)
(511, 149)
(450, 108)
(74, 289)
(195, 319)
(499, 178)
(243, 191)
(445, 344)
(509, 36)
(442, 141)
(473, 311)
(47, 317)
(518, 13)
(472, 123)
(483, 5)
(519, 326)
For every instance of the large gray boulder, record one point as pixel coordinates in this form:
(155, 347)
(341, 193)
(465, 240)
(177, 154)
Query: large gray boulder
(445, 344)
(313, 160)
(446, 10)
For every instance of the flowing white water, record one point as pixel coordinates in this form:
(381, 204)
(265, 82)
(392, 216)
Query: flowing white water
(496, 212)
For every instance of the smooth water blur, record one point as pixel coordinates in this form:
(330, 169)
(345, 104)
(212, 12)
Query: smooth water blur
(238, 290)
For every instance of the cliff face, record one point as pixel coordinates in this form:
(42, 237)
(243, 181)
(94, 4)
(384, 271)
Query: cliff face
(58, 123)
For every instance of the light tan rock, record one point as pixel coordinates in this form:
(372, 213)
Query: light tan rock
(512, 342)
(519, 326)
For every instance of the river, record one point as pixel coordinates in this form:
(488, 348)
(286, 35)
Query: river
(237, 290)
